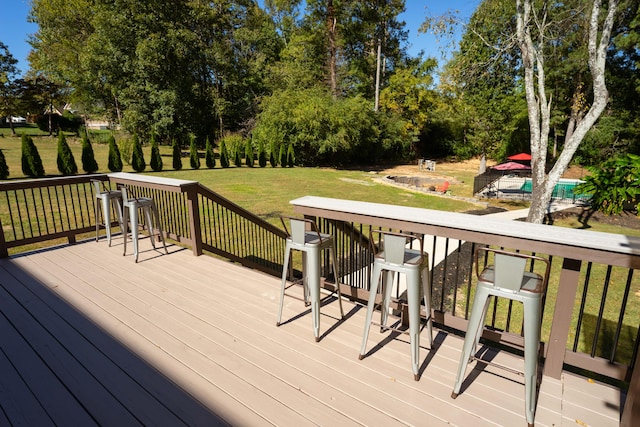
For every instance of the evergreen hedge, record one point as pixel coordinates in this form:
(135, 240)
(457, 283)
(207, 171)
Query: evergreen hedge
(177, 155)
(115, 160)
(31, 161)
(272, 155)
(282, 156)
(156, 159)
(65, 160)
(248, 153)
(137, 156)
(262, 155)
(224, 155)
(291, 158)
(193, 153)
(209, 156)
(237, 159)
(89, 164)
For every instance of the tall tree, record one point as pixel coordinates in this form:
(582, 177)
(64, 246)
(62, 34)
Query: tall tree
(532, 31)
(8, 71)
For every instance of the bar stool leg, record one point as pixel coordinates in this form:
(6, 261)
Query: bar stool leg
(285, 267)
(125, 221)
(159, 226)
(474, 328)
(426, 292)
(532, 308)
(413, 297)
(375, 283)
(387, 287)
(332, 250)
(95, 209)
(313, 280)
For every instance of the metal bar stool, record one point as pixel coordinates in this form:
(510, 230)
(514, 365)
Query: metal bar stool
(148, 206)
(311, 243)
(396, 257)
(106, 197)
(507, 278)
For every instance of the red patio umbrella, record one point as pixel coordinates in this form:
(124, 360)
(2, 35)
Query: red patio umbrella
(520, 157)
(510, 166)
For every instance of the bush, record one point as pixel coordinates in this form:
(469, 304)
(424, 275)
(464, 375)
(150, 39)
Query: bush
(4, 169)
(89, 164)
(209, 156)
(115, 161)
(156, 159)
(282, 156)
(65, 160)
(177, 155)
(126, 150)
(262, 155)
(224, 155)
(272, 155)
(31, 161)
(291, 159)
(193, 153)
(248, 153)
(137, 156)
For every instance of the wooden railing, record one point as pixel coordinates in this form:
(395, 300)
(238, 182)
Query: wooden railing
(587, 266)
(599, 268)
(46, 210)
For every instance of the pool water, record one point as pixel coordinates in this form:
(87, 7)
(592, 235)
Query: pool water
(562, 190)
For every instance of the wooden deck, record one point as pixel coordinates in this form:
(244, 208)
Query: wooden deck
(89, 337)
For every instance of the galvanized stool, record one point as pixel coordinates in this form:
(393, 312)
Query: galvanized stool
(130, 211)
(507, 278)
(396, 257)
(311, 243)
(106, 198)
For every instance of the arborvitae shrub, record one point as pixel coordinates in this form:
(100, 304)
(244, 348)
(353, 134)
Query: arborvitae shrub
(237, 159)
(291, 159)
(31, 161)
(65, 160)
(262, 155)
(193, 153)
(89, 164)
(137, 156)
(177, 155)
(272, 155)
(209, 156)
(156, 159)
(224, 155)
(248, 153)
(115, 161)
(4, 169)
(282, 156)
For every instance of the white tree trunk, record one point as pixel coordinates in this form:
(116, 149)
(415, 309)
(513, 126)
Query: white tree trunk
(539, 108)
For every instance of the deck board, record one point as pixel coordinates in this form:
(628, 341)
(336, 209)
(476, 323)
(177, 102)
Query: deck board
(89, 336)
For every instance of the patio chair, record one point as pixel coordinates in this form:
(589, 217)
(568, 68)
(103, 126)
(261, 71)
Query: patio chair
(507, 278)
(396, 257)
(306, 238)
(105, 198)
(130, 213)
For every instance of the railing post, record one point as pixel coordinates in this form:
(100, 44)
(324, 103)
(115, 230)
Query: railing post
(631, 411)
(562, 313)
(4, 253)
(194, 219)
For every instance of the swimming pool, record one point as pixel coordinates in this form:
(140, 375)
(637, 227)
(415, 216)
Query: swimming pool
(562, 190)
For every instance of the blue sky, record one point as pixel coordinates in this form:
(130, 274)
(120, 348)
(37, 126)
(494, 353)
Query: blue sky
(15, 29)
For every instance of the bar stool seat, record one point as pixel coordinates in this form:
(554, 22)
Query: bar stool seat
(507, 278)
(130, 213)
(105, 198)
(311, 243)
(396, 257)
